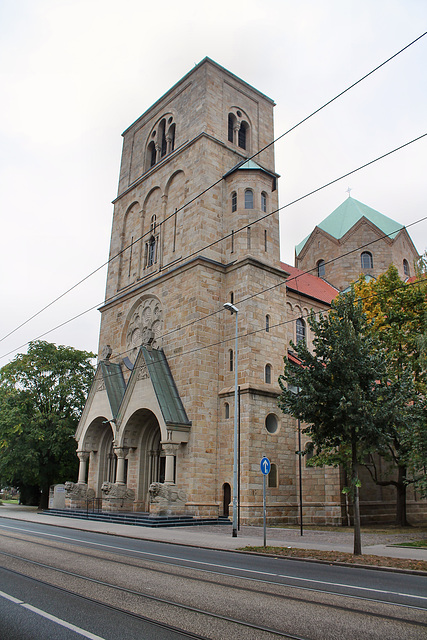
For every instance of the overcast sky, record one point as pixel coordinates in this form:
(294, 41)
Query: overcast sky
(76, 73)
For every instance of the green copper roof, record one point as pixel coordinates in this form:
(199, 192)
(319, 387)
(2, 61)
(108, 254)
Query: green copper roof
(164, 386)
(248, 165)
(345, 217)
(114, 384)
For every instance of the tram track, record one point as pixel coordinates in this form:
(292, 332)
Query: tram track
(275, 597)
(266, 632)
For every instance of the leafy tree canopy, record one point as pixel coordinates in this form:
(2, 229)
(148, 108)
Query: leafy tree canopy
(42, 395)
(344, 392)
(398, 314)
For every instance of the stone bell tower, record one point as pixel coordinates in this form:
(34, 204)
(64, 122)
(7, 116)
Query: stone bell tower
(195, 225)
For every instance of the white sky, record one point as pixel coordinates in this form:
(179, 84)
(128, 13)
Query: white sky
(76, 73)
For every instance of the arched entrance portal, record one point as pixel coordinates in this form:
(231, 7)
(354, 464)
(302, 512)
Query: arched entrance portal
(146, 461)
(98, 445)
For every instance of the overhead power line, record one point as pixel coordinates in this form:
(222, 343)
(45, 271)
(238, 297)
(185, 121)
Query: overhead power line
(111, 299)
(316, 111)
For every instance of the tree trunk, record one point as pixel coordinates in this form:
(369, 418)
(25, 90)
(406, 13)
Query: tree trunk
(401, 520)
(44, 497)
(356, 507)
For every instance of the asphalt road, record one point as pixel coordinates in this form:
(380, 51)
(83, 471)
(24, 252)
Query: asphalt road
(208, 593)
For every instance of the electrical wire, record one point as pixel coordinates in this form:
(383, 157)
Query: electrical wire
(77, 284)
(239, 230)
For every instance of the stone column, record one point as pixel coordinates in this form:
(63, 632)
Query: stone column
(170, 450)
(236, 130)
(120, 472)
(83, 458)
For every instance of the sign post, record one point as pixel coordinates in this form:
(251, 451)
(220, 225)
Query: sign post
(265, 468)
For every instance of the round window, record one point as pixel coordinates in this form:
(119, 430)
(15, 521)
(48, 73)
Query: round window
(271, 423)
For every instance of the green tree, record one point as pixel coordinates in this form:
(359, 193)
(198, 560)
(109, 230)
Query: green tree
(344, 395)
(42, 395)
(398, 311)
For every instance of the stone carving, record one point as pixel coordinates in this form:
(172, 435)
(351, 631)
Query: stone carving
(167, 494)
(100, 382)
(111, 490)
(144, 327)
(106, 352)
(143, 371)
(78, 491)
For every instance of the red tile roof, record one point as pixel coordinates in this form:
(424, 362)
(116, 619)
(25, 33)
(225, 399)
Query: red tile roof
(293, 358)
(309, 285)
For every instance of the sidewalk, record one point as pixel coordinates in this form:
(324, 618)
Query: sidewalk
(220, 537)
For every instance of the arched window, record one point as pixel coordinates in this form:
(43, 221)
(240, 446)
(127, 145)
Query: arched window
(366, 260)
(152, 154)
(249, 199)
(406, 268)
(153, 224)
(231, 359)
(231, 121)
(264, 202)
(227, 410)
(272, 476)
(271, 423)
(267, 323)
(233, 201)
(265, 240)
(300, 329)
(321, 268)
(232, 297)
(151, 254)
(267, 374)
(242, 135)
(171, 137)
(248, 231)
(163, 142)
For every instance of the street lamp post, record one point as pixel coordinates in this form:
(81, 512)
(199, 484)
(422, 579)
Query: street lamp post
(230, 307)
(296, 391)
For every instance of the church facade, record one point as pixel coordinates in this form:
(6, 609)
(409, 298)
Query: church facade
(195, 226)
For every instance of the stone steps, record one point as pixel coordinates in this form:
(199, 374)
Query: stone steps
(137, 519)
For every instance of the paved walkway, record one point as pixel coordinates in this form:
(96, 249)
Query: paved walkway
(220, 536)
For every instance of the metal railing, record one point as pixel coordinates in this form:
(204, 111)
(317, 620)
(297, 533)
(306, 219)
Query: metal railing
(94, 505)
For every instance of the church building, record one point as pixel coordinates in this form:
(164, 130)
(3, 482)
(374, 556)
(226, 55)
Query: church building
(196, 226)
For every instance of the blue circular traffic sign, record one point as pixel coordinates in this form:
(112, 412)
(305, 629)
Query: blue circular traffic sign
(265, 466)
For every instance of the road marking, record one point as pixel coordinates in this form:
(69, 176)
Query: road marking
(220, 566)
(11, 598)
(62, 623)
(44, 614)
